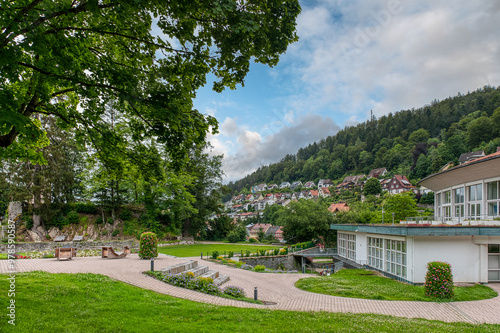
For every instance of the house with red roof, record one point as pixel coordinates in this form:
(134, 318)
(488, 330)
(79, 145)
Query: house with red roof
(338, 207)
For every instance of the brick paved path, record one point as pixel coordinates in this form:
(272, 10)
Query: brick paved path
(277, 288)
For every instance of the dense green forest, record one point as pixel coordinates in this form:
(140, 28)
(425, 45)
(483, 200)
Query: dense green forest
(414, 143)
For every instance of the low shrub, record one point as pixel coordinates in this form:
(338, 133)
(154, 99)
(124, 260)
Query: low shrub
(126, 214)
(262, 252)
(247, 253)
(234, 291)
(284, 251)
(215, 254)
(99, 220)
(115, 232)
(86, 208)
(239, 264)
(148, 246)
(246, 267)
(188, 281)
(253, 240)
(110, 221)
(439, 280)
(72, 217)
(276, 251)
(230, 254)
(259, 268)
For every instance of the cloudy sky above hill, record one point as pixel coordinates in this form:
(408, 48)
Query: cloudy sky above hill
(353, 57)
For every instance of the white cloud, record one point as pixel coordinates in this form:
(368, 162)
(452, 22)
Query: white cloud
(354, 56)
(252, 150)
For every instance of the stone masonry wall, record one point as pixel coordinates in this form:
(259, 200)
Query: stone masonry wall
(273, 261)
(49, 246)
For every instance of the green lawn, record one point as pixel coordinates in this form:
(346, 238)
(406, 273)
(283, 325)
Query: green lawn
(94, 303)
(358, 283)
(194, 250)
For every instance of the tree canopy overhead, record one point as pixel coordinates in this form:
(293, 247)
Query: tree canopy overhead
(145, 59)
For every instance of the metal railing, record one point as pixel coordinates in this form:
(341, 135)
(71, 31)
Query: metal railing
(452, 220)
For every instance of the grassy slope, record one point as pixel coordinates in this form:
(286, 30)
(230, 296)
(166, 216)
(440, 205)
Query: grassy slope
(195, 250)
(365, 284)
(94, 303)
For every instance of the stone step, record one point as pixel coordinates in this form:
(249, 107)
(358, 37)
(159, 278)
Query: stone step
(211, 274)
(180, 268)
(198, 270)
(221, 280)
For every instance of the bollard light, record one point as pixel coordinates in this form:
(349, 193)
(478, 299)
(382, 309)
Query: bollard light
(202, 255)
(255, 294)
(152, 264)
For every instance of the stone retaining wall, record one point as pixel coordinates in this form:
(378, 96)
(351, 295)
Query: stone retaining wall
(49, 246)
(273, 261)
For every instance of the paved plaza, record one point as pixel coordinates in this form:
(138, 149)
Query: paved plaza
(277, 288)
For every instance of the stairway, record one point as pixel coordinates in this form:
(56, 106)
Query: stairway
(198, 271)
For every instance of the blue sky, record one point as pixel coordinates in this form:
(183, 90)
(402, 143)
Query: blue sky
(353, 57)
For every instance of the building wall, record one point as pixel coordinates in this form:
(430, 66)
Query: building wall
(464, 256)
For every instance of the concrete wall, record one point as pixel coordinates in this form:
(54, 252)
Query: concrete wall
(49, 246)
(273, 261)
(459, 251)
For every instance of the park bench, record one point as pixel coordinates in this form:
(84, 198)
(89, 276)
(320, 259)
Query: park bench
(109, 253)
(60, 238)
(65, 253)
(77, 238)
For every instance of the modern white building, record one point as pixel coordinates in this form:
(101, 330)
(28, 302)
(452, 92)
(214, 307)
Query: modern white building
(469, 191)
(465, 231)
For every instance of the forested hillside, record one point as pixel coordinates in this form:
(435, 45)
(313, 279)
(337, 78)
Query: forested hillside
(414, 142)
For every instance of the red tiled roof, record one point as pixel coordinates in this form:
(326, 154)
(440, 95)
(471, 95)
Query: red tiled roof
(338, 207)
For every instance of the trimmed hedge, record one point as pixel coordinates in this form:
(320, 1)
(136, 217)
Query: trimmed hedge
(439, 280)
(148, 245)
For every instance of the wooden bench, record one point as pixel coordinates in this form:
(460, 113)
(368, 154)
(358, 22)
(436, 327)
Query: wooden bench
(109, 253)
(65, 253)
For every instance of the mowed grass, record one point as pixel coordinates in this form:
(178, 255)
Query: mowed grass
(360, 283)
(194, 250)
(94, 303)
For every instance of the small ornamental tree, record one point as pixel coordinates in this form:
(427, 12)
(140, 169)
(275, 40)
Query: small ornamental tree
(148, 245)
(439, 280)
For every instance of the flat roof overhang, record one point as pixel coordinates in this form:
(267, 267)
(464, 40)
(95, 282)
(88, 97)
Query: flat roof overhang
(483, 168)
(415, 230)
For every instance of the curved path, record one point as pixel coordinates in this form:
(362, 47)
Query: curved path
(278, 288)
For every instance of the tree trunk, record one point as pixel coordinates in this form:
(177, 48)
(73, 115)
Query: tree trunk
(37, 205)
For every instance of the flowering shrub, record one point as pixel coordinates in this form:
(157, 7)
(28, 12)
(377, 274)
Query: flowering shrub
(204, 285)
(148, 247)
(439, 280)
(284, 251)
(247, 267)
(190, 274)
(234, 291)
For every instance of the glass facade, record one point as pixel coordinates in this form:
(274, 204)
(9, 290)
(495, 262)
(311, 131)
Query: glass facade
(346, 245)
(494, 262)
(388, 255)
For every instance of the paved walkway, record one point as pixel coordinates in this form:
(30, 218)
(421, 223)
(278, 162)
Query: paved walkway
(278, 288)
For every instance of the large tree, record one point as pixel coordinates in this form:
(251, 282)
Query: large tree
(145, 59)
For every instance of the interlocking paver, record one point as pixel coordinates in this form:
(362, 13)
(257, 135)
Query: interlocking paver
(278, 288)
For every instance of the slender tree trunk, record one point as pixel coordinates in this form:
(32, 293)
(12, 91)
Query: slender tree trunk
(37, 202)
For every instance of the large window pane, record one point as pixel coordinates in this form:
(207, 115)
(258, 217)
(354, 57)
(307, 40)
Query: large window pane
(492, 190)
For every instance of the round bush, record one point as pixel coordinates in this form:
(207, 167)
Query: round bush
(148, 245)
(259, 268)
(439, 280)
